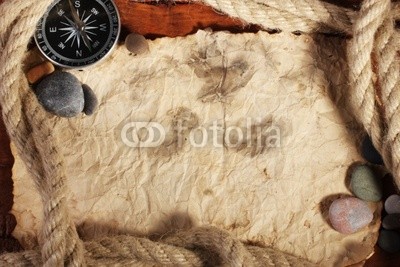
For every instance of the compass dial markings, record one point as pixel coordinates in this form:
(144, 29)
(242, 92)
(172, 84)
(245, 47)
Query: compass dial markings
(83, 41)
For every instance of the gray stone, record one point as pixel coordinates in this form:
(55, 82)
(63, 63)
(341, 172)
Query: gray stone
(61, 94)
(91, 101)
(389, 241)
(136, 43)
(391, 221)
(392, 204)
(365, 185)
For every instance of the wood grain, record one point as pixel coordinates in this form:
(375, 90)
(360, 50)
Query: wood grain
(174, 20)
(163, 18)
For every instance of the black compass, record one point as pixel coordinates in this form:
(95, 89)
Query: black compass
(75, 34)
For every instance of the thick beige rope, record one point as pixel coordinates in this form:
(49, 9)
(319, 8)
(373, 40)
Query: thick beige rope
(289, 15)
(361, 78)
(29, 129)
(128, 251)
(374, 78)
(374, 98)
(388, 69)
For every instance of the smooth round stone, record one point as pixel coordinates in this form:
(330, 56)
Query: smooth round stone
(389, 241)
(350, 214)
(365, 185)
(392, 204)
(61, 94)
(369, 152)
(136, 43)
(391, 221)
(91, 101)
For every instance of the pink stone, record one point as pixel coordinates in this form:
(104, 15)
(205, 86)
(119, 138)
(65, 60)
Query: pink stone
(348, 215)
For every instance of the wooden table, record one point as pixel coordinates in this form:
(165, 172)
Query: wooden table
(165, 18)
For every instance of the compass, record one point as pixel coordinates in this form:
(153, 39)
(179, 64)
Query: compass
(76, 34)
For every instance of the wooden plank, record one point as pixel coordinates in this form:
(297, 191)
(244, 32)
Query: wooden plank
(174, 20)
(180, 18)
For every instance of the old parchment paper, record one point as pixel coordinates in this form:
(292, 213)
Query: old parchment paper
(286, 152)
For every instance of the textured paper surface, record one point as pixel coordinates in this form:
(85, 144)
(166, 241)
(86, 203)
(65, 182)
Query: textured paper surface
(276, 194)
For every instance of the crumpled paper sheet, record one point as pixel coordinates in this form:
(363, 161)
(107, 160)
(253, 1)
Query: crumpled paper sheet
(286, 152)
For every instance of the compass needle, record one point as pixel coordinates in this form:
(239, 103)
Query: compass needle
(78, 33)
(93, 21)
(74, 13)
(73, 40)
(66, 24)
(86, 40)
(64, 34)
(91, 33)
(90, 28)
(71, 23)
(72, 34)
(85, 20)
(66, 29)
(78, 40)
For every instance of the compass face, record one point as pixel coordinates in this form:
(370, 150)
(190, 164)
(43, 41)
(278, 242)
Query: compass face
(76, 34)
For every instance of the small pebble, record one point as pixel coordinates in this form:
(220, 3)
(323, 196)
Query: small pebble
(61, 94)
(389, 241)
(38, 72)
(369, 152)
(365, 185)
(91, 101)
(136, 43)
(348, 215)
(391, 221)
(392, 204)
